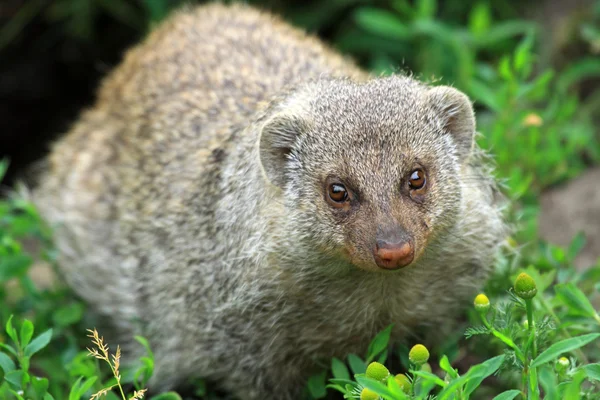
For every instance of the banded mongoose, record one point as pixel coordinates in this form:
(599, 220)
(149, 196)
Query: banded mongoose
(253, 203)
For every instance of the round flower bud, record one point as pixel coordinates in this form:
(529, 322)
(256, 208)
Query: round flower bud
(368, 394)
(525, 286)
(418, 355)
(403, 382)
(377, 371)
(562, 364)
(482, 303)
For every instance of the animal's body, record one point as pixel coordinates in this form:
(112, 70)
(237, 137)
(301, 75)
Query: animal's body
(251, 202)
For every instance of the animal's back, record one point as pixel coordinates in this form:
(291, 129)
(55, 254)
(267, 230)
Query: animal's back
(150, 151)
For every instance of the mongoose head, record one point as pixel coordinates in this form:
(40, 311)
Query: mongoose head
(371, 172)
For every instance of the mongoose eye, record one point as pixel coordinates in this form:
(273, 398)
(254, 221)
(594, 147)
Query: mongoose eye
(417, 179)
(338, 192)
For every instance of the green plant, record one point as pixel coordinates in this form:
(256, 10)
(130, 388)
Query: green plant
(569, 379)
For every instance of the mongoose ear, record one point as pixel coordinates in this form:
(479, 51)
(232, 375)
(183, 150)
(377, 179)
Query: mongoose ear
(455, 112)
(276, 143)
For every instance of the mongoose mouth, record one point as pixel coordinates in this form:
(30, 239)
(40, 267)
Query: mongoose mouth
(393, 256)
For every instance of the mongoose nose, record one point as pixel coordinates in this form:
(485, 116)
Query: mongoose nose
(393, 255)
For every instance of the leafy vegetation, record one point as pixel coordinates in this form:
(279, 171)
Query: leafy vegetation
(540, 128)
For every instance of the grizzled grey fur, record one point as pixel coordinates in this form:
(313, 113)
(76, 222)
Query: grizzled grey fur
(189, 203)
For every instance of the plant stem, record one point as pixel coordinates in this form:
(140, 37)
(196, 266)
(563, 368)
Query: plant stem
(530, 322)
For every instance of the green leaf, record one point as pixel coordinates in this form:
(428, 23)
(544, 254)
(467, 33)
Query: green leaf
(39, 385)
(78, 389)
(508, 395)
(6, 363)
(450, 389)
(357, 365)
(68, 315)
(547, 378)
(426, 9)
(573, 389)
(14, 266)
(339, 369)
(11, 332)
(15, 378)
(3, 168)
(480, 18)
(522, 59)
(478, 373)
(316, 386)
(575, 299)
(445, 365)
(382, 23)
(166, 396)
(576, 245)
(374, 385)
(26, 332)
(38, 343)
(430, 377)
(592, 371)
(563, 346)
(379, 343)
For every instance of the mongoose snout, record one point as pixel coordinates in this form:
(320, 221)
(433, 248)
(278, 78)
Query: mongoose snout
(394, 250)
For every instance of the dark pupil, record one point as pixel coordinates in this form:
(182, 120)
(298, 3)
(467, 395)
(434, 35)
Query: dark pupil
(416, 179)
(337, 192)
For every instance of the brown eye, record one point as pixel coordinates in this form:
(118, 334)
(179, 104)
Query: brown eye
(417, 179)
(338, 192)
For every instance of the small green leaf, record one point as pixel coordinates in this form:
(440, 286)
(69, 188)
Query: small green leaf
(573, 297)
(523, 55)
(316, 386)
(6, 363)
(592, 371)
(445, 365)
(78, 389)
(379, 343)
(576, 245)
(38, 343)
(166, 396)
(15, 378)
(563, 346)
(430, 377)
(339, 369)
(357, 365)
(480, 18)
(478, 373)
(26, 332)
(11, 332)
(508, 395)
(40, 386)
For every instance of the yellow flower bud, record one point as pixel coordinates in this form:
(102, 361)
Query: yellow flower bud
(525, 286)
(482, 303)
(403, 382)
(418, 355)
(368, 394)
(562, 364)
(377, 371)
